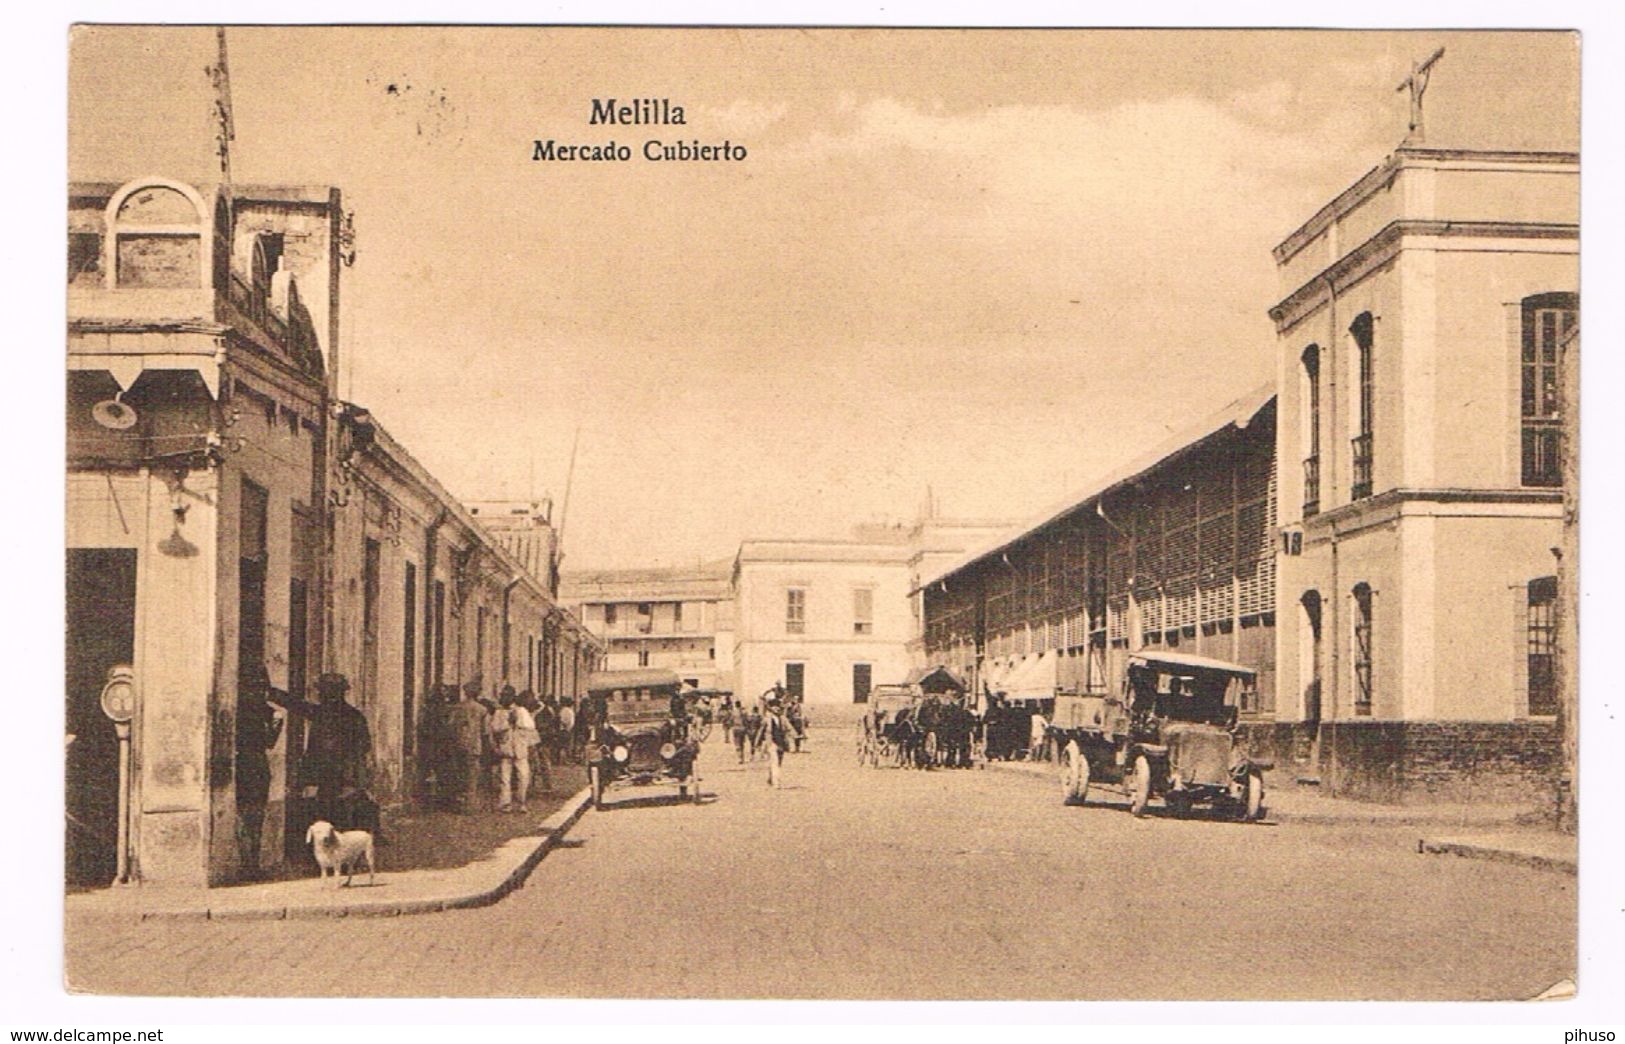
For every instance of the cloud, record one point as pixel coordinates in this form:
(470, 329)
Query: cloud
(742, 117)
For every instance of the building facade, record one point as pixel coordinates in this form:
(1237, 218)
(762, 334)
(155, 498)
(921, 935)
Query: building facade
(679, 618)
(1420, 345)
(199, 323)
(1173, 551)
(825, 619)
(227, 514)
(833, 618)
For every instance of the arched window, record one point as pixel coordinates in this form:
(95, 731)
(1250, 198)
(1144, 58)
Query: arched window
(1309, 397)
(1548, 320)
(156, 236)
(1364, 391)
(1363, 656)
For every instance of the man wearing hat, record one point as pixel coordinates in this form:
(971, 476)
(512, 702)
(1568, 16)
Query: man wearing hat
(336, 766)
(778, 730)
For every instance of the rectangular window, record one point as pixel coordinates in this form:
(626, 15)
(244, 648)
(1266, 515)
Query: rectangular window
(1548, 321)
(371, 571)
(677, 616)
(1542, 646)
(409, 659)
(437, 625)
(861, 674)
(863, 611)
(298, 637)
(795, 677)
(84, 259)
(643, 657)
(1311, 459)
(795, 611)
(609, 615)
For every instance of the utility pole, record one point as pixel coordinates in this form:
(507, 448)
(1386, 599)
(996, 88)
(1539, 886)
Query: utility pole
(564, 511)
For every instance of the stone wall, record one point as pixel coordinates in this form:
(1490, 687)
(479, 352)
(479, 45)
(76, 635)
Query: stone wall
(1516, 762)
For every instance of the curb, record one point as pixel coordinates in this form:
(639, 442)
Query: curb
(1354, 815)
(553, 829)
(1557, 864)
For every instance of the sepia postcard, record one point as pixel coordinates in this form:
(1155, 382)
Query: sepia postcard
(822, 513)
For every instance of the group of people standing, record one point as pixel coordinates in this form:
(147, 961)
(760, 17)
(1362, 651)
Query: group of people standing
(774, 726)
(489, 751)
(333, 773)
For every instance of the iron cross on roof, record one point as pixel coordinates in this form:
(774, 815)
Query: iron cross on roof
(1417, 82)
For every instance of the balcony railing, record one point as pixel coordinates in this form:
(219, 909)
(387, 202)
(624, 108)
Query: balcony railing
(257, 308)
(1311, 485)
(1360, 488)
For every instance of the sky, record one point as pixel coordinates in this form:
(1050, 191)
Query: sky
(991, 264)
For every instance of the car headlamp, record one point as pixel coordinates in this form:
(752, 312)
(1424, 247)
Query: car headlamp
(668, 750)
(621, 753)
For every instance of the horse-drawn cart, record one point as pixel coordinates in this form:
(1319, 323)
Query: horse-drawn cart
(887, 729)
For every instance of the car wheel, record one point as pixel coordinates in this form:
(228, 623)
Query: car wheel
(596, 780)
(1139, 791)
(1255, 795)
(1069, 774)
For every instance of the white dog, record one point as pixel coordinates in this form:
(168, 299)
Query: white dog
(341, 852)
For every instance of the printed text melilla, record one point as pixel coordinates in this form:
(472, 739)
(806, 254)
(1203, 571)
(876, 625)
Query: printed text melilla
(636, 113)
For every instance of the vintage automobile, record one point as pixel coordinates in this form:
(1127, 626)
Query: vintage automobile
(640, 733)
(1171, 733)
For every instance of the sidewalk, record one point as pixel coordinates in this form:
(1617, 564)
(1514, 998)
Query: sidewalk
(478, 883)
(1297, 804)
(1543, 850)
(1501, 833)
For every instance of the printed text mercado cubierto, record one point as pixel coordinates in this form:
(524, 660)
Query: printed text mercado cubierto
(638, 112)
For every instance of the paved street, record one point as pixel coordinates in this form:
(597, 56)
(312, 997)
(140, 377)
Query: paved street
(864, 883)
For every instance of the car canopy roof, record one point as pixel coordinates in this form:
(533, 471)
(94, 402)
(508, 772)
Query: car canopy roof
(643, 678)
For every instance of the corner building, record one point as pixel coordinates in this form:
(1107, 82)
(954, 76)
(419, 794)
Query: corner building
(1421, 333)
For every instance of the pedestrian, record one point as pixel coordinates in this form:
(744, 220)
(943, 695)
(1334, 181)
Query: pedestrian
(1038, 737)
(545, 746)
(779, 734)
(465, 734)
(753, 730)
(258, 729)
(514, 731)
(567, 729)
(336, 769)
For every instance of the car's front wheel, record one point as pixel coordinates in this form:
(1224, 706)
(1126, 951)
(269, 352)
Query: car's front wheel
(1255, 795)
(1139, 790)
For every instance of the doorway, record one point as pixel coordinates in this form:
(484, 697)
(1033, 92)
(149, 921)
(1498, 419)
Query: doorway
(1309, 672)
(100, 635)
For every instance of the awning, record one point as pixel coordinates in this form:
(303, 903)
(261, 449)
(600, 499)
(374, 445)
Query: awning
(1032, 678)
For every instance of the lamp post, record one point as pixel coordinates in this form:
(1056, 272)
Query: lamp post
(118, 703)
